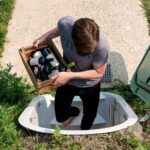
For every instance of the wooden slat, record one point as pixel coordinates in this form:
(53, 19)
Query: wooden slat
(24, 59)
(44, 83)
(44, 89)
(56, 52)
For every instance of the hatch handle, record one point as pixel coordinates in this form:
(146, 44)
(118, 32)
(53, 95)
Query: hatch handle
(148, 79)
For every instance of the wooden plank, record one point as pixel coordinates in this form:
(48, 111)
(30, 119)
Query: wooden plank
(27, 67)
(56, 52)
(44, 83)
(44, 89)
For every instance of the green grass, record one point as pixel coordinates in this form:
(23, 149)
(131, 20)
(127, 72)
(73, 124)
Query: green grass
(146, 7)
(14, 96)
(6, 7)
(138, 105)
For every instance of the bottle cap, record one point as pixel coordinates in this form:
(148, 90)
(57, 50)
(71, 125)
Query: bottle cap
(45, 52)
(70, 65)
(37, 54)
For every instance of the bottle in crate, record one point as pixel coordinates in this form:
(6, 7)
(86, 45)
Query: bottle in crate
(40, 61)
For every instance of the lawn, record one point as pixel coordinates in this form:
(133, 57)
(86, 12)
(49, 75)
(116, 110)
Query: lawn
(16, 94)
(146, 7)
(6, 7)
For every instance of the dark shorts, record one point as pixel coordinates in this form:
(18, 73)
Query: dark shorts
(90, 99)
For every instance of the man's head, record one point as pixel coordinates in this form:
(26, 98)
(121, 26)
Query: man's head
(85, 35)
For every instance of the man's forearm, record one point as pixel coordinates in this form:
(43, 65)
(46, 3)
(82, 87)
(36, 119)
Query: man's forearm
(63, 77)
(44, 39)
(89, 74)
(50, 34)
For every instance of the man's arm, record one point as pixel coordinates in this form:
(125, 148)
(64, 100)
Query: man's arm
(97, 72)
(46, 37)
(64, 77)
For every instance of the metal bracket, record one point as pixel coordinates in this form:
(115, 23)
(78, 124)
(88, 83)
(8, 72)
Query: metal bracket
(145, 117)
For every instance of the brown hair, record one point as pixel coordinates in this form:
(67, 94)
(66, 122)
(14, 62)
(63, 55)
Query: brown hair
(85, 34)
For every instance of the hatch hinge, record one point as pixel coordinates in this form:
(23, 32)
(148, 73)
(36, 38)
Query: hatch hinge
(137, 89)
(145, 117)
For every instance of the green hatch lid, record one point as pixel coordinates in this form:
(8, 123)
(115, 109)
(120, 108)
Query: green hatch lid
(140, 83)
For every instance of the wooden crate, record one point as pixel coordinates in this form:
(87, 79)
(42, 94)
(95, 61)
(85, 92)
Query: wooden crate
(25, 53)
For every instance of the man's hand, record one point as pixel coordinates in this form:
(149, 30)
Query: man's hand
(40, 42)
(62, 78)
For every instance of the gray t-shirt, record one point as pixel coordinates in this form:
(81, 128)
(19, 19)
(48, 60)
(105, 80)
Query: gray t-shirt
(100, 54)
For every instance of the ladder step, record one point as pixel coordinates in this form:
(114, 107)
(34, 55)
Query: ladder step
(77, 120)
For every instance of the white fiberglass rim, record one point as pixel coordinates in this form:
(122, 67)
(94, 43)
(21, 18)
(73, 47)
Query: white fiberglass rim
(24, 118)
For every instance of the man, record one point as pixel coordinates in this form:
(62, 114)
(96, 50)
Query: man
(84, 44)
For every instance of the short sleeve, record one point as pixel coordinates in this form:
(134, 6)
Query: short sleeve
(101, 54)
(65, 23)
(65, 28)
